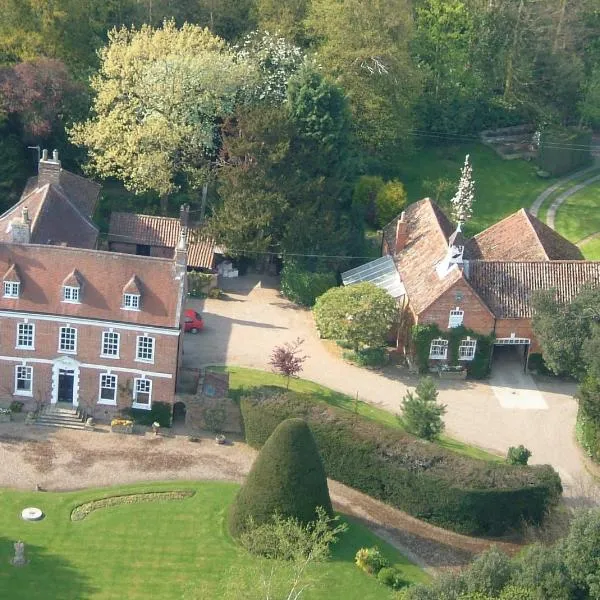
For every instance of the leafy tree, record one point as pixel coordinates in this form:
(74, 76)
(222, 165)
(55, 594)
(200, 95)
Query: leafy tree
(462, 201)
(390, 200)
(582, 552)
(283, 16)
(518, 455)
(588, 395)
(160, 95)
(287, 478)
(303, 286)
(362, 314)
(365, 192)
(288, 359)
(421, 412)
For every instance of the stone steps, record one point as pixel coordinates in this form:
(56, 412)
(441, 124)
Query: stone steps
(57, 416)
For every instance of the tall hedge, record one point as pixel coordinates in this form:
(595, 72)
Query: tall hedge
(303, 286)
(429, 482)
(287, 478)
(564, 150)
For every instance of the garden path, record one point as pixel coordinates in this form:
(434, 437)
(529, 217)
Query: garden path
(559, 200)
(589, 238)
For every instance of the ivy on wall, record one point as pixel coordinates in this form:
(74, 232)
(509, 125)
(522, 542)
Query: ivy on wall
(423, 335)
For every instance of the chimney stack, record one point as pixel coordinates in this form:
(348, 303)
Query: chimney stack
(20, 229)
(401, 233)
(49, 169)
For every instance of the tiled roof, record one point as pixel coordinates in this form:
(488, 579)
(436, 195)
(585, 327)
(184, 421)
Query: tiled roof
(133, 286)
(507, 286)
(43, 268)
(73, 279)
(427, 244)
(12, 274)
(54, 219)
(521, 237)
(151, 230)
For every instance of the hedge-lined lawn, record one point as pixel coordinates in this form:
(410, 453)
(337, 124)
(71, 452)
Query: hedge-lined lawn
(502, 186)
(591, 249)
(243, 379)
(579, 216)
(169, 549)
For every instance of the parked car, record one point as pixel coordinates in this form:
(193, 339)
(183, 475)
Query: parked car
(193, 321)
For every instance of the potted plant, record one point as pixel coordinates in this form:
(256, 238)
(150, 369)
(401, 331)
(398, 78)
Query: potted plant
(121, 426)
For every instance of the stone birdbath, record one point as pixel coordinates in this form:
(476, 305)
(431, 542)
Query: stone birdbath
(19, 559)
(32, 514)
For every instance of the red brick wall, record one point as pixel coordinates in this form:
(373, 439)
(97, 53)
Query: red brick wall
(477, 316)
(520, 327)
(89, 339)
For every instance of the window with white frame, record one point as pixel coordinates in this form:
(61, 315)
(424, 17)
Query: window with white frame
(438, 349)
(11, 289)
(131, 301)
(67, 340)
(142, 393)
(145, 348)
(456, 318)
(71, 293)
(108, 389)
(466, 350)
(25, 336)
(110, 344)
(23, 380)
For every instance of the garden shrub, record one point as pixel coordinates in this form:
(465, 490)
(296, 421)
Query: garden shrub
(367, 357)
(391, 577)
(370, 560)
(588, 434)
(159, 412)
(16, 406)
(302, 286)
(427, 481)
(517, 455)
(421, 412)
(536, 363)
(287, 479)
(389, 202)
(363, 197)
(214, 418)
(478, 368)
(198, 283)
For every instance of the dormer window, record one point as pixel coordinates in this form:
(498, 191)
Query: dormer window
(131, 301)
(71, 290)
(132, 294)
(70, 293)
(12, 289)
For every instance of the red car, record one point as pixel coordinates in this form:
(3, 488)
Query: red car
(193, 321)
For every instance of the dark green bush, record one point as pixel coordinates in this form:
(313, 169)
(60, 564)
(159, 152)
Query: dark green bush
(368, 357)
(302, 286)
(588, 435)
(287, 479)
(427, 481)
(160, 412)
(391, 577)
(535, 363)
(16, 406)
(517, 455)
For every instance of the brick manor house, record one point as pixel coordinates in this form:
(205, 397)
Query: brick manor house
(92, 328)
(484, 283)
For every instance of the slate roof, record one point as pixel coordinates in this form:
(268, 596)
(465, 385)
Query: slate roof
(521, 237)
(42, 269)
(428, 231)
(507, 286)
(153, 230)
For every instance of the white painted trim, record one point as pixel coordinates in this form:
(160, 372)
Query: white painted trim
(67, 326)
(28, 393)
(69, 364)
(12, 284)
(32, 347)
(111, 356)
(142, 406)
(46, 361)
(137, 349)
(103, 401)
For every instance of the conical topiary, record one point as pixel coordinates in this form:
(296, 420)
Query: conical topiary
(287, 478)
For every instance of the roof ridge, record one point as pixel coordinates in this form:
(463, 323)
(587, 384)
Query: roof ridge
(530, 223)
(86, 179)
(60, 190)
(42, 203)
(430, 203)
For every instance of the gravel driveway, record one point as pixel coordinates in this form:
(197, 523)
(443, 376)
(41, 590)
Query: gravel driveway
(244, 328)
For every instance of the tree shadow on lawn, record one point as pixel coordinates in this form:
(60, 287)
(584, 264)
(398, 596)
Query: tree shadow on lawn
(46, 575)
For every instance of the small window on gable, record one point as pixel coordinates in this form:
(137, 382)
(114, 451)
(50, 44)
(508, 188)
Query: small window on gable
(132, 294)
(456, 318)
(438, 349)
(12, 283)
(71, 290)
(466, 350)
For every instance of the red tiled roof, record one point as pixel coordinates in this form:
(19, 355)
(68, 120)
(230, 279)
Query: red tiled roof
(427, 244)
(73, 279)
(521, 237)
(152, 230)
(12, 274)
(507, 286)
(133, 286)
(43, 268)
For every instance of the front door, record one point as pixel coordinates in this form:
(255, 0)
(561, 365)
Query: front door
(66, 378)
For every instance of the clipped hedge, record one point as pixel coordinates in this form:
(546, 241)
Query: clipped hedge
(302, 286)
(159, 411)
(588, 435)
(427, 481)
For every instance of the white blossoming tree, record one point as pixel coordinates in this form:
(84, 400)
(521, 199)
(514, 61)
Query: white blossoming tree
(462, 201)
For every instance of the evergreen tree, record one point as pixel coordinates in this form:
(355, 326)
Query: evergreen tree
(421, 413)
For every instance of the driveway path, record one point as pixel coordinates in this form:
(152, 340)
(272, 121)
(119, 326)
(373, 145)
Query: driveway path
(558, 201)
(244, 329)
(63, 459)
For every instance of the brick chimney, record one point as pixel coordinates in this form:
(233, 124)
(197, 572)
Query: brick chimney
(184, 215)
(20, 229)
(401, 233)
(49, 169)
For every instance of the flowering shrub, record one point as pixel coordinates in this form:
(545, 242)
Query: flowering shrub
(370, 560)
(121, 423)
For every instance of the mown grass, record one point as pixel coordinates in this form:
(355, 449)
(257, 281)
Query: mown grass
(165, 549)
(579, 216)
(243, 380)
(591, 249)
(502, 186)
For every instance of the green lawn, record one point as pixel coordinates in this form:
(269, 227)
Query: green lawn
(242, 379)
(579, 216)
(163, 550)
(591, 249)
(502, 186)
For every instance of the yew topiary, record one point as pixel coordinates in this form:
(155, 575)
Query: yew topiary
(287, 479)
